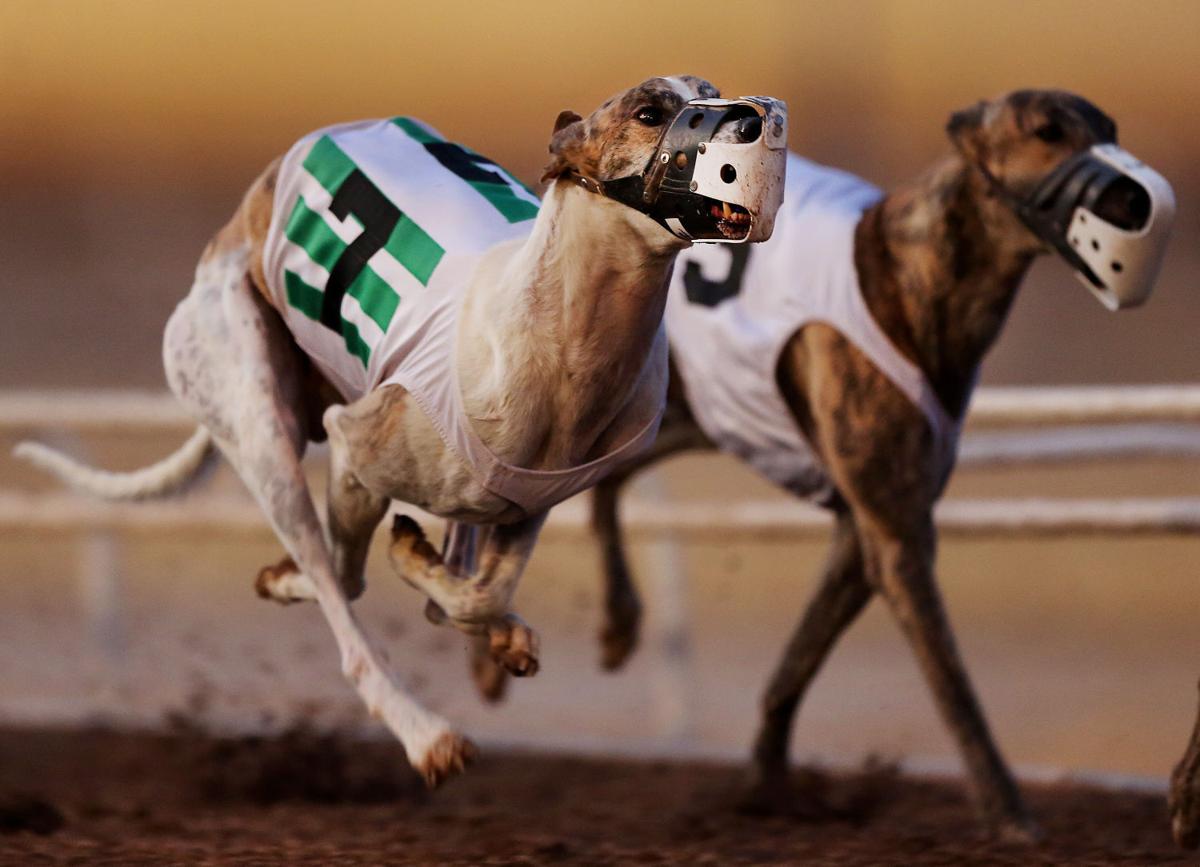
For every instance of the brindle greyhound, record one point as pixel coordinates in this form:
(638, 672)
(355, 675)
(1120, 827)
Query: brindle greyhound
(562, 360)
(939, 262)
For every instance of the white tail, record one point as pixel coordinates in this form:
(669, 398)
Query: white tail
(170, 475)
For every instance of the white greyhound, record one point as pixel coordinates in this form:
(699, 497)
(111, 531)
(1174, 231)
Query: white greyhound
(493, 357)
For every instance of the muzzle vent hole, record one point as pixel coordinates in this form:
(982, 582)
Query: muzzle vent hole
(1116, 266)
(694, 120)
(728, 173)
(1095, 244)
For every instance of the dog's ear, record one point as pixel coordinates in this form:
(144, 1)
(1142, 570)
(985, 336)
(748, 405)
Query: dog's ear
(565, 118)
(965, 129)
(566, 145)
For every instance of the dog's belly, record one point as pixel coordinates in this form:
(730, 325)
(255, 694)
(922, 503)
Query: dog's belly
(394, 451)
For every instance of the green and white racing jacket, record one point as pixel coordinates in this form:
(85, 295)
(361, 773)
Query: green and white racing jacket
(376, 231)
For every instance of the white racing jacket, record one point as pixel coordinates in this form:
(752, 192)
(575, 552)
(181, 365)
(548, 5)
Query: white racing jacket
(377, 229)
(732, 309)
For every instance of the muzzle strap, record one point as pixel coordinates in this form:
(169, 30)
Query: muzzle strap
(630, 191)
(1048, 208)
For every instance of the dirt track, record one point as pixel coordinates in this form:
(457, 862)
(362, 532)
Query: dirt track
(104, 798)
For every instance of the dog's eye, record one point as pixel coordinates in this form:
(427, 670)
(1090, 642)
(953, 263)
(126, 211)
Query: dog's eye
(649, 115)
(1050, 132)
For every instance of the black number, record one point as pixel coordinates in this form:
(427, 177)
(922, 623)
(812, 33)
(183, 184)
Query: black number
(710, 293)
(358, 196)
(463, 162)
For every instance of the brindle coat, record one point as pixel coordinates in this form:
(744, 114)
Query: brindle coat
(939, 262)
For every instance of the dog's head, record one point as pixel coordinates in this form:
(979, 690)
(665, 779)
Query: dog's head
(619, 137)
(1021, 137)
(1053, 158)
(712, 172)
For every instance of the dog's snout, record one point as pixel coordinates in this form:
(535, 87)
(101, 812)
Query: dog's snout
(1125, 204)
(749, 129)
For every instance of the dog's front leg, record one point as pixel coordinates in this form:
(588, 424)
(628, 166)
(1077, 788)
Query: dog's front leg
(476, 603)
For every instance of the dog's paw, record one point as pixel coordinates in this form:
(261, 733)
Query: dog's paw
(804, 794)
(450, 754)
(1018, 830)
(513, 645)
(619, 637)
(284, 583)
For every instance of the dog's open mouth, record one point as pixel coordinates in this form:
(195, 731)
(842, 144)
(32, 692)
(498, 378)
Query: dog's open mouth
(733, 221)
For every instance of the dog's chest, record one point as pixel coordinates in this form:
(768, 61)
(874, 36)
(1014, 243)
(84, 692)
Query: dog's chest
(732, 309)
(376, 231)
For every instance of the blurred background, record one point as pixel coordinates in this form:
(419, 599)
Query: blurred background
(129, 130)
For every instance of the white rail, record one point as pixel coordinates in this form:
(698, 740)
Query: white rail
(1101, 430)
(1085, 405)
(134, 410)
(745, 519)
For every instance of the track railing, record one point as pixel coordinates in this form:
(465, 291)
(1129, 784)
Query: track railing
(1089, 424)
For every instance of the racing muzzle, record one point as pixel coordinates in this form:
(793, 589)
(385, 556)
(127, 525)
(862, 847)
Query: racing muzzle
(1109, 215)
(704, 190)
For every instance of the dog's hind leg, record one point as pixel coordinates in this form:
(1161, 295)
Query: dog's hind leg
(841, 596)
(898, 552)
(622, 607)
(622, 622)
(352, 514)
(226, 354)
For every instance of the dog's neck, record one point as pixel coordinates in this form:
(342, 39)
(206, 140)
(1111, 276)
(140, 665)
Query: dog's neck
(566, 330)
(940, 262)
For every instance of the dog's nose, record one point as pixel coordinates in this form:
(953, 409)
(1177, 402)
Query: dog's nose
(1125, 204)
(749, 129)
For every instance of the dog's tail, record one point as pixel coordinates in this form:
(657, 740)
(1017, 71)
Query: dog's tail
(171, 475)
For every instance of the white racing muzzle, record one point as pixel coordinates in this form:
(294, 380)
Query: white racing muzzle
(703, 189)
(1109, 215)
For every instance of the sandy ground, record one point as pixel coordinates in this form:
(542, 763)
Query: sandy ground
(101, 798)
